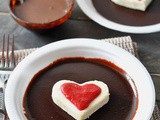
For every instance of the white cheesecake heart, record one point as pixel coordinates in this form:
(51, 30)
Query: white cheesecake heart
(133, 4)
(80, 100)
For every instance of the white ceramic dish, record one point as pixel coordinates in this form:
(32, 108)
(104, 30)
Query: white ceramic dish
(88, 8)
(42, 57)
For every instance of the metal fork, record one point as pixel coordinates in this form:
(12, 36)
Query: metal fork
(7, 64)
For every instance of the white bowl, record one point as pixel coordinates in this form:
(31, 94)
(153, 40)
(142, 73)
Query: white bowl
(42, 57)
(88, 8)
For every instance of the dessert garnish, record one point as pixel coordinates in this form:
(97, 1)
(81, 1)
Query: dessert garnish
(80, 100)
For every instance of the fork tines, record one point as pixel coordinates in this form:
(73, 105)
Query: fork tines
(7, 56)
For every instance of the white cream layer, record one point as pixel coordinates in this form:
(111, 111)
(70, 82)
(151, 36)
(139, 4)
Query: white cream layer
(133, 4)
(60, 100)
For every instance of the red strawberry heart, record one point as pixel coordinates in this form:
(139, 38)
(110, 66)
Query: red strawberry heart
(80, 96)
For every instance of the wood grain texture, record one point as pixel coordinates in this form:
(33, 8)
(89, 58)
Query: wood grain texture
(78, 14)
(156, 81)
(4, 6)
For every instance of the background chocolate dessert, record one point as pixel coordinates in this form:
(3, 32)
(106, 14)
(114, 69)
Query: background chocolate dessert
(128, 16)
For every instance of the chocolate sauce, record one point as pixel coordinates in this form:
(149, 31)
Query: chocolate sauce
(38, 103)
(128, 16)
(41, 11)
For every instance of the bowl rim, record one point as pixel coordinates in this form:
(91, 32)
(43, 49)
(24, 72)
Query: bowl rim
(60, 44)
(32, 23)
(99, 19)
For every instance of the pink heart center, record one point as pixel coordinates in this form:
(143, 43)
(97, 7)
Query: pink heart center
(80, 96)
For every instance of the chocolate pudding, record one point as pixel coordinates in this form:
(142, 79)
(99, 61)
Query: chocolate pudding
(41, 11)
(127, 16)
(38, 103)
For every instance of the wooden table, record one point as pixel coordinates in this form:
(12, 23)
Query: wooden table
(80, 26)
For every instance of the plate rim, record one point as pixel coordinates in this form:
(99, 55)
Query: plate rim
(116, 26)
(12, 82)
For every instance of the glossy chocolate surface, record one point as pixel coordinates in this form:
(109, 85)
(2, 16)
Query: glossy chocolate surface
(38, 103)
(41, 11)
(127, 16)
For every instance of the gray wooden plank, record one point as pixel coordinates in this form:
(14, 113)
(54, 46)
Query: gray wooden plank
(148, 47)
(78, 14)
(156, 81)
(8, 25)
(4, 6)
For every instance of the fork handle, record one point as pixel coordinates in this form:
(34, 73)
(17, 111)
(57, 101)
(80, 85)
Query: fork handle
(2, 105)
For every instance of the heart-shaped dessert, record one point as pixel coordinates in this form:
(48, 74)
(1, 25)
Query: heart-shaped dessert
(80, 96)
(80, 100)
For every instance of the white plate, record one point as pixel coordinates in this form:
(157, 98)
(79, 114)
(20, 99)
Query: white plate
(88, 8)
(42, 57)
